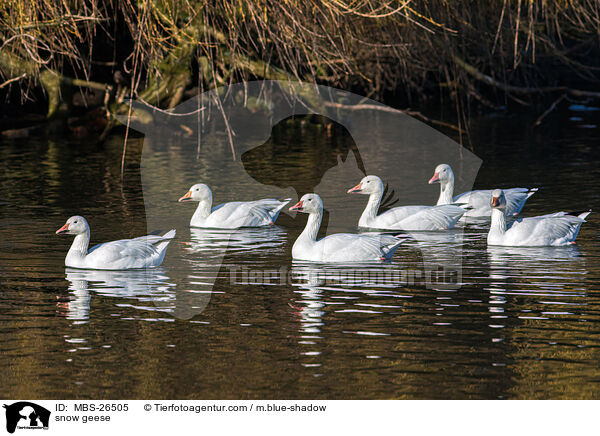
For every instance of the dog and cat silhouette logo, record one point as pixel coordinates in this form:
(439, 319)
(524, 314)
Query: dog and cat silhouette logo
(26, 415)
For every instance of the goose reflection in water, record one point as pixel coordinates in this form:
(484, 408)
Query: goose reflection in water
(549, 262)
(198, 271)
(342, 282)
(439, 249)
(367, 278)
(555, 277)
(544, 269)
(435, 258)
(310, 315)
(143, 286)
(209, 247)
(309, 310)
(340, 291)
(215, 243)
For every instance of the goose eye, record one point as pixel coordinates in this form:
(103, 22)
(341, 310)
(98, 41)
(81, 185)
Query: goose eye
(74, 222)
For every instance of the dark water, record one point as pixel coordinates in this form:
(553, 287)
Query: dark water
(515, 323)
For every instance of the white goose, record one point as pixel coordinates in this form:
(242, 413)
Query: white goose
(546, 230)
(232, 215)
(339, 247)
(143, 252)
(478, 202)
(406, 218)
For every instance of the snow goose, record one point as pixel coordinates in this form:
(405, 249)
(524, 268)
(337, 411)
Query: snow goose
(478, 202)
(143, 252)
(233, 215)
(339, 247)
(406, 218)
(554, 229)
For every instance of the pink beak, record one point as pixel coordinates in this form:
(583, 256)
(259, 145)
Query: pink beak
(63, 229)
(495, 201)
(357, 188)
(186, 197)
(435, 178)
(297, 206)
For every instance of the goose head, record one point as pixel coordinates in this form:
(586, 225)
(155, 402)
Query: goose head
(309, 203)
(76, 225)
(368, 185)
(442, 174)
(498, 200)
(198, 192)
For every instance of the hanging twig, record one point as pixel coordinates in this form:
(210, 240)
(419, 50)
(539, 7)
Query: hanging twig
(550, 109)
(135, 81)
(230, 132)
(14, 79)
(169, 112)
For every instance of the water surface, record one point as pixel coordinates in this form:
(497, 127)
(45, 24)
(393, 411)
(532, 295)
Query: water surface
(230, 315)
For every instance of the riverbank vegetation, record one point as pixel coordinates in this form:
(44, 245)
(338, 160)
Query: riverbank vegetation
(80, 60)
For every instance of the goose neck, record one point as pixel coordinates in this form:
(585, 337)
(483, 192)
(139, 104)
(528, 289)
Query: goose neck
(446, 191)
(203, 209)
(498, 224)
(79, 247)
(312, 226)
(371, 209)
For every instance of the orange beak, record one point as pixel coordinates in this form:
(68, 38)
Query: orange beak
(357, 188)
(186, 197)
(298, 206)
(495, 201)
(64, 229)
(435, 178)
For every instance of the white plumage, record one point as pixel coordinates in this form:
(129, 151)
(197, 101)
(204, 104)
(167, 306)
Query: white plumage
(233, 215)
(555, 229)
(339, 247)
(408, 218)
(477, 202)
(143, 252)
